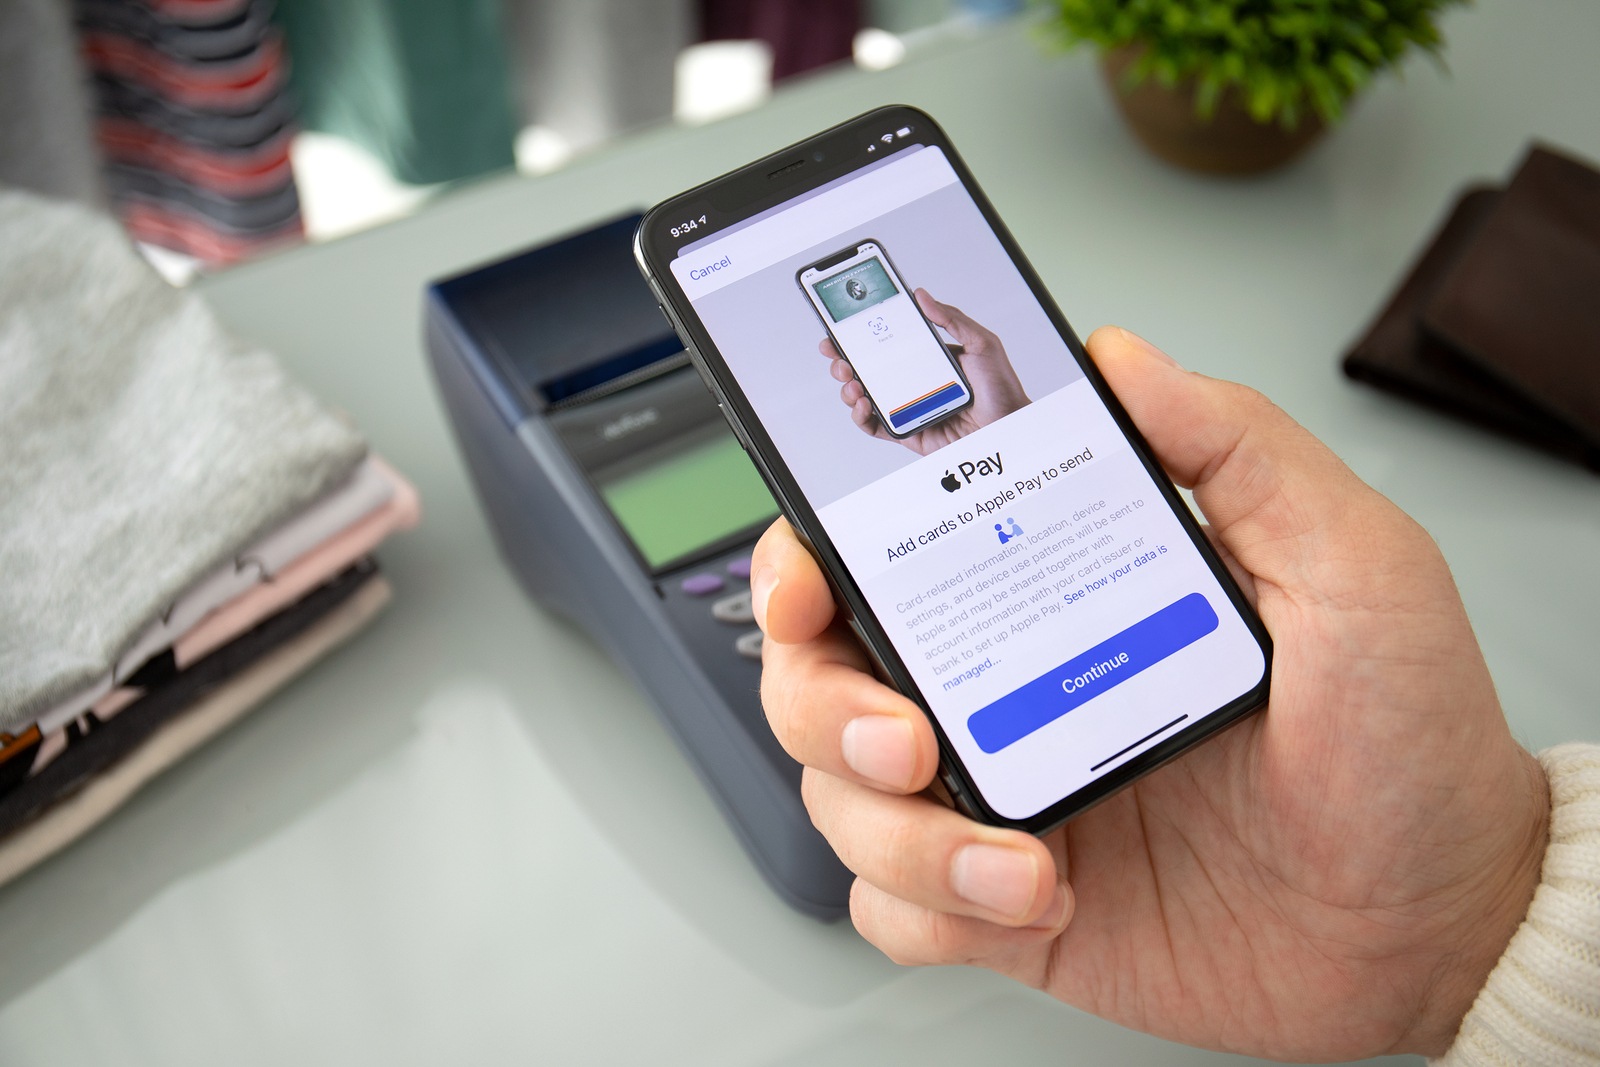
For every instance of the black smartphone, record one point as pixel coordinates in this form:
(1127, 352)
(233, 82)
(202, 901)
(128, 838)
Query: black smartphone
(872, 318)
(1020, 566)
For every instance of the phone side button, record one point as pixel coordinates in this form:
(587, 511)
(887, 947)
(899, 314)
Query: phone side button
(877, 664)
(952, 785)
(738, 431)
(733, 428)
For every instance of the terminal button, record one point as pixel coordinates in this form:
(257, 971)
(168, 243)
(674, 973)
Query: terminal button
(735, 609)
(1084, 677)
(703, 584)
(748, 644)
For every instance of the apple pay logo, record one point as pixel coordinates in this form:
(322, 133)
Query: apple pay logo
(968, 470)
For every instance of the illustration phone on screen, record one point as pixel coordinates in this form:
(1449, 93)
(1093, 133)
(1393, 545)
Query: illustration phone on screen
(870, 313)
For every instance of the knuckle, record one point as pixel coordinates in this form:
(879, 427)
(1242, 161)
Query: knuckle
(909, 936)
(820, 794)
(812, 788)
(777, 701)
(792, 738)
(1251, 400)
(773, 691)
(897, 854)
(946, 938)
(900, 955)
(870, 914)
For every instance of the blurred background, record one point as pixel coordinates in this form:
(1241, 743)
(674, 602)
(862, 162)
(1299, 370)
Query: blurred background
(220, 130)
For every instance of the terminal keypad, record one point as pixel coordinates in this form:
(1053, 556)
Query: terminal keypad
(724, 591)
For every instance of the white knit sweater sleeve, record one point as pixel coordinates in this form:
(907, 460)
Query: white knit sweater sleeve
(1541, 1004)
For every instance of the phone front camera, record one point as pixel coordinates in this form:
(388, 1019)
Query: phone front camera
(816, 157)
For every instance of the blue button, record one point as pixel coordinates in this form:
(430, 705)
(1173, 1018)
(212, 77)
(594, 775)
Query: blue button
(1082, 678)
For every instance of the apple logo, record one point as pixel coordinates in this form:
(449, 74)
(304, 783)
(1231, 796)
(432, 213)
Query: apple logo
(950, 482)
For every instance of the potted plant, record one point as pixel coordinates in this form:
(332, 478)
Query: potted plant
(1237, 86)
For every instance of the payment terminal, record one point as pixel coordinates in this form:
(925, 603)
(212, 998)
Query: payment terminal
(621, 499)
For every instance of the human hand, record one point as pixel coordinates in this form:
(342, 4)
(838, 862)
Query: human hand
(996, 390)
(1332, 878)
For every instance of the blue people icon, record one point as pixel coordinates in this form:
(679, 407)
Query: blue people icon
(1006, 535)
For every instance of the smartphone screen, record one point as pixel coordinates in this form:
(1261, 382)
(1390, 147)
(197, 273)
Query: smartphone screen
(875, 324)
(1021, 567)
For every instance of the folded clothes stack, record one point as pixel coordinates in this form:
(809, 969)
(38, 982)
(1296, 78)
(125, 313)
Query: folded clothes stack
(182, 528)
(1497, 320)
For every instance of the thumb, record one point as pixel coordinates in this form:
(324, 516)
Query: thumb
(1275, 496)
(952, 320)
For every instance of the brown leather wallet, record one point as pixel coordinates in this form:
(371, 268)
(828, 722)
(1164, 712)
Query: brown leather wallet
(1423, 346)
(1521, 303)
(1397, 355)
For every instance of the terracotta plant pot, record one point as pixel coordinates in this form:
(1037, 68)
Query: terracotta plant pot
(1230, 142)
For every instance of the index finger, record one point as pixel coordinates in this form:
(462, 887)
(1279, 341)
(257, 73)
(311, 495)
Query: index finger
(822, 703)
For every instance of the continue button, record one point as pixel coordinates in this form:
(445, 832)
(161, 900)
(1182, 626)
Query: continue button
(1081, 679)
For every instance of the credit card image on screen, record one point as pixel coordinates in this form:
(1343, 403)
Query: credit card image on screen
(1020, 566)
(874, 322)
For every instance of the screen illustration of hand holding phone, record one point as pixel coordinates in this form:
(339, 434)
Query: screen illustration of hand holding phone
(874, 324)
(981, 355)
(1003, 543)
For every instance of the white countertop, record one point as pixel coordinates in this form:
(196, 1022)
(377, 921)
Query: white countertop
(466, 839)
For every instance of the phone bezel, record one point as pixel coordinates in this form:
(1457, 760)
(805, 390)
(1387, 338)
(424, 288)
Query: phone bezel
(841, 256)
(742, 193)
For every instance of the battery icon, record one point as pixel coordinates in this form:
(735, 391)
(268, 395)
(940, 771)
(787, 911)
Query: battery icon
(904, 131)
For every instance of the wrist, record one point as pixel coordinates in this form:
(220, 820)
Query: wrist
(1541, 1003)
(1489, 917)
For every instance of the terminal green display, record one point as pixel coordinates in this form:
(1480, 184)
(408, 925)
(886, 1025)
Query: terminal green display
(673, 505)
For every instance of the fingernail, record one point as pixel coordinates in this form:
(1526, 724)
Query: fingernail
(1055, 916)
(995, 877)
(1145, 346)
(762, 583)
(881, 749)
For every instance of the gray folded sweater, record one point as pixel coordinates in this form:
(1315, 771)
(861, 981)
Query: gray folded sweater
(140, 447)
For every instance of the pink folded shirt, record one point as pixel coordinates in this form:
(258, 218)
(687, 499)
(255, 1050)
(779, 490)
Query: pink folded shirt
(275, 584)
(278, 591)
(367, 489)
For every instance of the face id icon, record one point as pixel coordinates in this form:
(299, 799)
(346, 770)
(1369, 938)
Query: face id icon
(878, 326)
(1006, 535)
